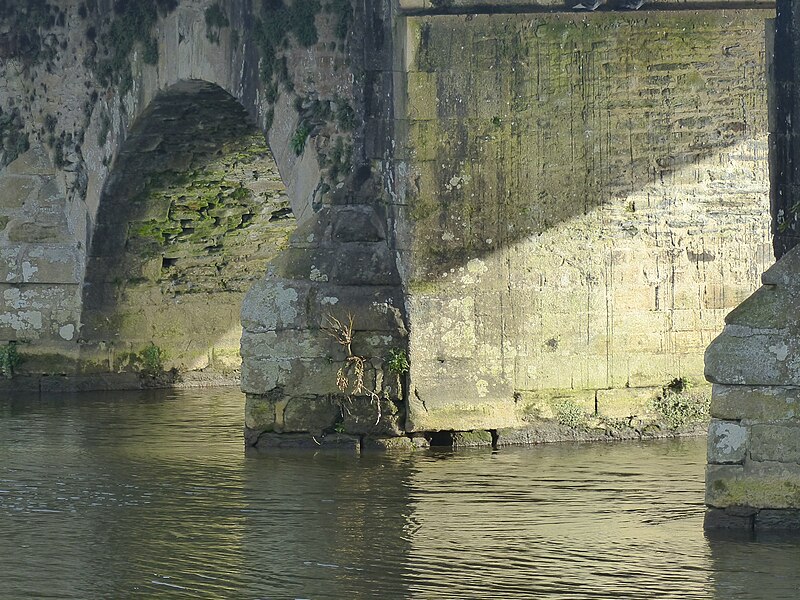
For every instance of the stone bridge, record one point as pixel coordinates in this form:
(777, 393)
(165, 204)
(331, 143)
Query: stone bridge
(452, 218)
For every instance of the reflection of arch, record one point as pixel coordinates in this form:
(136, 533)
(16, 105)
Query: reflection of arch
(193, 210)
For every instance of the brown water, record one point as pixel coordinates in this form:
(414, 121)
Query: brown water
(151, 495)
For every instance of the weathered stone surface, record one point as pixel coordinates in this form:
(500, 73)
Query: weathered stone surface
(744, 355)
(275, 304)
(287, 344)
(40, 263)
(452, 395)
(778, 442)
(717, 518)
(357, 224)
(373, 416)
(777, 520)
(755, 403)
(754, 484)
(759, 345)
(533, 231)
(36, 233)
(727, 442)
(392, 444)
(315, 415)
(260, 413)
(543, 404)
(299, 376)
(35, 161)
(374, 308)
(625, 402)
(470, 439)
(14, 190)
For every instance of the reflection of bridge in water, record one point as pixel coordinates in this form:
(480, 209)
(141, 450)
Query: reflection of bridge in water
(131, 505)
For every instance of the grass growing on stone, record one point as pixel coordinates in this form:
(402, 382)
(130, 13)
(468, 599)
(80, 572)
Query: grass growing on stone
(277, 22)
(678, 406)
(151, 360)
(298, 141)
(569, 413)
(133, 21)
(9, 360)
(398, 361)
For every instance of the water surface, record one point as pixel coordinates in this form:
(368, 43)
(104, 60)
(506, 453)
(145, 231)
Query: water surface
(150, 494)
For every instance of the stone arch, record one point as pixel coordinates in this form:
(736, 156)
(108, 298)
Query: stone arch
(193, 210)
(337, 263)
(339, 260)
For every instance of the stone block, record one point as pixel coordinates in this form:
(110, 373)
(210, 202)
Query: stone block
(727, 442)
(262, 376)
(642, 369)
(541, 404)
(285, 344)
(421, 96)
(357, 224)
(717, 518)
(364, 263)
(374, 308)
(259, 413)
(299, 377)
(754, 403)
(36, 161)
(471, 439)
(37, 232)
(771, 519)
(389, 444)
(720, 479)
(51, 264)
(779, 442)
(759, 485)
(15, 190)
(273, 303)
(311, 414)
(453, 396)
(766, 308)
(444, 329)
(742, 355)
(373, 416)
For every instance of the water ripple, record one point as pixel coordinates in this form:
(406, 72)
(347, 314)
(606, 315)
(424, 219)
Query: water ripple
(149, 494)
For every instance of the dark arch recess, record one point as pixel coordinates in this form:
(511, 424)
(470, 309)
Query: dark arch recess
(192, 210)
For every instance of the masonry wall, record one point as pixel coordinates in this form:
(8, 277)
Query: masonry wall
(586, 196)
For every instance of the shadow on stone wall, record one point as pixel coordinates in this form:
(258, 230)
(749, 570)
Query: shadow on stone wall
(517, 126)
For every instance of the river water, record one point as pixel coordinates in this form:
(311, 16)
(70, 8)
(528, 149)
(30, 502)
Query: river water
(150, 494)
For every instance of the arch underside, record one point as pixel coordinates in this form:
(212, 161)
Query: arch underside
(192, 212)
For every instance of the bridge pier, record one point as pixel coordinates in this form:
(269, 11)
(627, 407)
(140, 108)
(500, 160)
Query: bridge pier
(753, 473)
